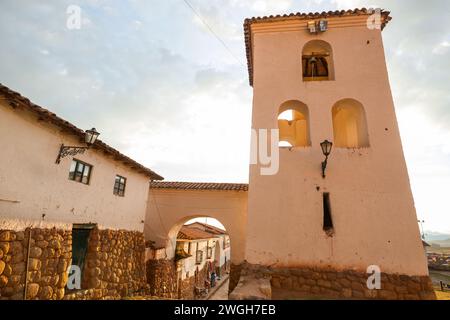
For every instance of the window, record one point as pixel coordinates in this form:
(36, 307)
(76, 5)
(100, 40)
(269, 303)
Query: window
(349, 124)
(80, 171)
(199, 257)
(317, 61)
(327, 221)
(189, 247)
(293, 124)
(119, 185)
(209, 253)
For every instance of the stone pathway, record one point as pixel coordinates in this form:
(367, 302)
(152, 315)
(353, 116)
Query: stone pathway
(222, 292)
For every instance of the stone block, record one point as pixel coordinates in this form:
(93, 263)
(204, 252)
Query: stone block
(32, 290)
(18, 268)
(35, 252)
(45, 293)
(5, 235)
(34, 264)
(2, 266)
(324, 283)
(387, 295)
(3, 281)
(4, 246)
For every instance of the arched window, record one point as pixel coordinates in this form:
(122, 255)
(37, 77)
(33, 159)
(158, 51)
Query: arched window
(293, 123)
(349, 124)
(317, 61)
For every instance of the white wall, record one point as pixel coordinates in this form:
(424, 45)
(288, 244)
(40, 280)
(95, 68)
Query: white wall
(189, 264)
(31, 184)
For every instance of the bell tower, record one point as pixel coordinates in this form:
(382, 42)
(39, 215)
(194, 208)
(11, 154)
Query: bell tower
(316, 77)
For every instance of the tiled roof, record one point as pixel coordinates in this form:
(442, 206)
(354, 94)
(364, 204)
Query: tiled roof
(385, 18)
(188, 233)
(16, 100)
(199, 186)
(209, 228)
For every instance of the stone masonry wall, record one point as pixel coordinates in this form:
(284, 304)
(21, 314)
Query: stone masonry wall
(235, 274)
(162, 278)
(114, 265)
(186, 290)
(115, 261)
(347, 284)
(50, 255)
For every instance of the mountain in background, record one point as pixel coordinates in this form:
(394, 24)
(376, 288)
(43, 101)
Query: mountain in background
(437, 238)
(433, 235)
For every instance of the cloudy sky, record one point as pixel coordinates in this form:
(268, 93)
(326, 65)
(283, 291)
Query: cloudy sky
(152, 77)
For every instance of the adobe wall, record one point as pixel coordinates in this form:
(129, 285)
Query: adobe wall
(372, 206)
(33, 185)
(168, 210)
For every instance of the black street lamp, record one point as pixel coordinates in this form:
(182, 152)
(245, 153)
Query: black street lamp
(326, 149)
(90, 138)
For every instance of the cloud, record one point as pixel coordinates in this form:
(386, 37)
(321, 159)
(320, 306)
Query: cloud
(442, 48)
(164, 90)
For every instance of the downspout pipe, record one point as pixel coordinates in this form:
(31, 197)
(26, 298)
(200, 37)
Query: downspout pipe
(27, 264)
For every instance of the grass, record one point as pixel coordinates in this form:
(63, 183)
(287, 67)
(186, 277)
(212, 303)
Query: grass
(440, 250)
(442, 295)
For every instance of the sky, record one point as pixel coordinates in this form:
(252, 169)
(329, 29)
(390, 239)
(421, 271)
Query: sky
(165, 90)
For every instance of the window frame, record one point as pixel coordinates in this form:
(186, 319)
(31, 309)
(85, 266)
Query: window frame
(198, 256)
(209, 252)
(85, 164)
(116, 189)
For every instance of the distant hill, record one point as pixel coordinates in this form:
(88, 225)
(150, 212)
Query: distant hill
(431, 236)
(441, 243)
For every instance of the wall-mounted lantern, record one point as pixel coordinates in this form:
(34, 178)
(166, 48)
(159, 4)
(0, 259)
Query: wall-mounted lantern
(90, 137)
(326, 149)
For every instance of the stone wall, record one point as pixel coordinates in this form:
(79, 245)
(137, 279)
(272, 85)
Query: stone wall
(91, 294)
(235, 274)
(50, 255)
(346, 284)
(186, 290)
(162, 278)
(114, 264)
(115, 261)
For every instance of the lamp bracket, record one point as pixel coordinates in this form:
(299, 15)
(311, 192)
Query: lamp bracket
(65, 151)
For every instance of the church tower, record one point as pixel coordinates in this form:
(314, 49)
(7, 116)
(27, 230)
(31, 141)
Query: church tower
(317, 77)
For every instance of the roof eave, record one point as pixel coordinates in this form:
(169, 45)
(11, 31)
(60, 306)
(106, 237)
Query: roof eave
(15, 99)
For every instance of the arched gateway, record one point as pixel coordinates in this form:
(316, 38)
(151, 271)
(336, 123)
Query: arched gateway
(172, 204)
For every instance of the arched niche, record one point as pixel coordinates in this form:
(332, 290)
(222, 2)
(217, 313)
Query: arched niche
(317, 61)
(293, 124)
(349, 124)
